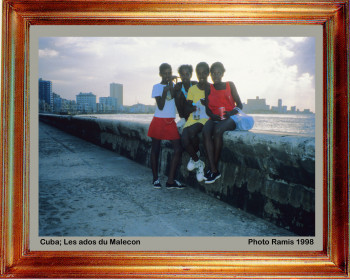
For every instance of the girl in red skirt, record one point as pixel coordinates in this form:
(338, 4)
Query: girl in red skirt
(163, 126)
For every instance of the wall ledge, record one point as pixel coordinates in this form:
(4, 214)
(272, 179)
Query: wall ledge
(270, 175)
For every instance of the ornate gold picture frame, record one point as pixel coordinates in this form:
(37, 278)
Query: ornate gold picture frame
(17, 260)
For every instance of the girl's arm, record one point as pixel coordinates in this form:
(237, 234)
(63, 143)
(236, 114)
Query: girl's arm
(180, 100)
(188, 107)
(188, 104)
(161, 99)
(236, 98)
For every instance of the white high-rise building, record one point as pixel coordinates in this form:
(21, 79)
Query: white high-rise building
(86, 102)
(256, 106)
(107, 104)
(116, 91)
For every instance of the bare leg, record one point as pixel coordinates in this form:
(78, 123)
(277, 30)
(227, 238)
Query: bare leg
(155, 157)
(175, 160)
(190, 138)
(195, 142)
(209, 144)
(219, 130)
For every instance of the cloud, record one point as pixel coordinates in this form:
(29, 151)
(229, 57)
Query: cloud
(303, 55)
(47, 53)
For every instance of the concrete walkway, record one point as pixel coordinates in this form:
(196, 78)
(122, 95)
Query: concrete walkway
(85, 190)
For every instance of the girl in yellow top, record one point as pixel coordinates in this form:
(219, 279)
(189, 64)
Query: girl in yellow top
(196, 120)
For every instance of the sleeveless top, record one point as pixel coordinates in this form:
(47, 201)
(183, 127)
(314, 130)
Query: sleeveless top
(195, 94)
(221, 98)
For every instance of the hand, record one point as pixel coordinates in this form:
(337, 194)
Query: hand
(170, 88)
(235, 110)
(228, 114)
(174, 78)
(177, 87)
(216, 117)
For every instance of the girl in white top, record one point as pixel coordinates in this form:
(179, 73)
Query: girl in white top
(163, 126)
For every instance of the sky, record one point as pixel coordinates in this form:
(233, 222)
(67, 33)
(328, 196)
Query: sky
(268, 67)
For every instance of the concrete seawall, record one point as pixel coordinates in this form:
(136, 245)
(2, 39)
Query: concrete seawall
(269, 175)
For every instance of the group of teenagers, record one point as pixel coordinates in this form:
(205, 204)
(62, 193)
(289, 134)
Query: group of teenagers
(207, 108)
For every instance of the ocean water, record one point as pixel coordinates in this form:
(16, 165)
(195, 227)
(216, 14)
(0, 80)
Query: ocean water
(285, 123)
(302, 124)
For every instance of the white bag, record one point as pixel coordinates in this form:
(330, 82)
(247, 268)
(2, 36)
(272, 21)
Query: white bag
(202, 112)
(242, 120)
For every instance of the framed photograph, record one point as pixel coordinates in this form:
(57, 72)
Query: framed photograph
(320, 245)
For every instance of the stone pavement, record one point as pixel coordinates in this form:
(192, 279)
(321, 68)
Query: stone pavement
(86, 190)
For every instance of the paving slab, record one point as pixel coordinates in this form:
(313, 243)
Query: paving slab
(86, 190)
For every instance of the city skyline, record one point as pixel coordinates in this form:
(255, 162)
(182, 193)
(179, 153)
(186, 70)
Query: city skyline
(257, 105)
(277, 67)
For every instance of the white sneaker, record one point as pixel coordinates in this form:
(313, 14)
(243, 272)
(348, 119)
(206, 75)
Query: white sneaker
(200, 176)
(195, 164)
(199, 164)
(200, 170)
(191, 165)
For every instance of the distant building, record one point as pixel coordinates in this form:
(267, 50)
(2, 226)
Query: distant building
(279, 109)
(307, 111)
(45, 95)
(68, 106)
(139, 109)
(116, 91)
(107, 104)
(57, 103)
(256, 106)
(86, 102)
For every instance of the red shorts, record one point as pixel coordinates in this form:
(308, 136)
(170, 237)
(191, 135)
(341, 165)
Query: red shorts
(163, 129)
